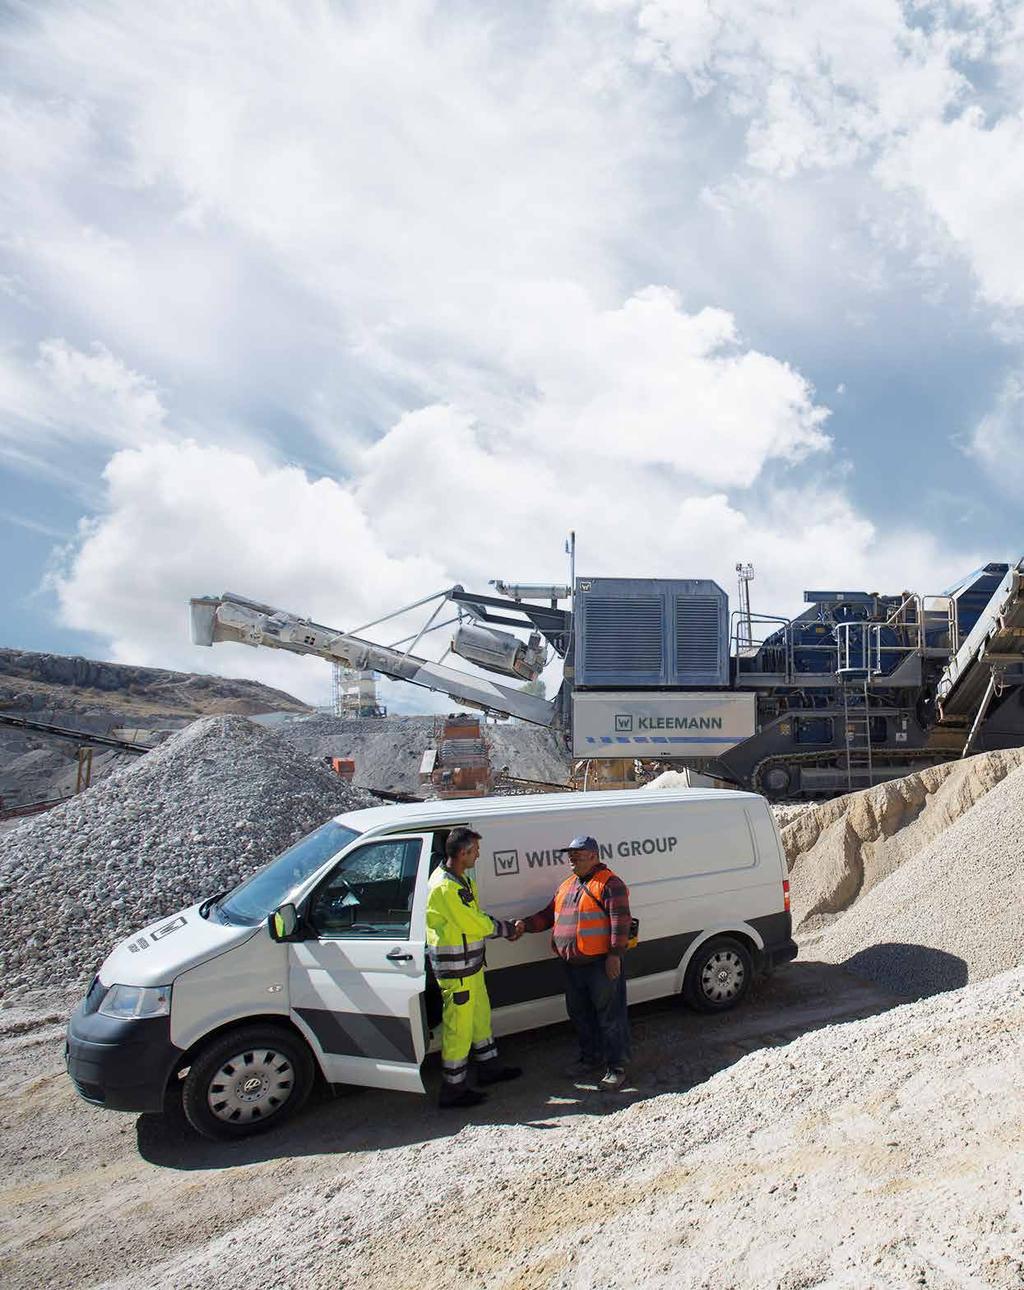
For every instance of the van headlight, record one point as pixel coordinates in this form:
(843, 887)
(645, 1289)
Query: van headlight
(131, 1001)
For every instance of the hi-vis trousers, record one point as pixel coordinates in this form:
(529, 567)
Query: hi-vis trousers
(466, 1024)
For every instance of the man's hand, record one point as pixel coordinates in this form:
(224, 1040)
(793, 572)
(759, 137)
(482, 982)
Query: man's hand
(613, 967)
(516, 930)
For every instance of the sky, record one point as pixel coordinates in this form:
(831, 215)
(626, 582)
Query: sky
(337, 304)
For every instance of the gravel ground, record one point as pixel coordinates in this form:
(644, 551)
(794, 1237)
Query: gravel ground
(122, 1194)
(882, 1154)
(951, 913)
(193, 817)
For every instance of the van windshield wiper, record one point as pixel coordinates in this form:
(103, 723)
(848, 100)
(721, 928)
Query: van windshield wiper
(208, 904)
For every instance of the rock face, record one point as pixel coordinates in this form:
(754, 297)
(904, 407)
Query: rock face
(26, 680)
(194, 817)
(96, 698)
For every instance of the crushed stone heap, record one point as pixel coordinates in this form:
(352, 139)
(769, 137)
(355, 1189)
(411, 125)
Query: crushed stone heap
(388, 750)
(838, 851)
(189, 819)
(951, 913)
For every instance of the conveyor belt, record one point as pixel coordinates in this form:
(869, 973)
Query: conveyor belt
(76, 736)
(995, 644)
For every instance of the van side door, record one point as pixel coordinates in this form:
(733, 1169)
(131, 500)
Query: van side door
(356, 980)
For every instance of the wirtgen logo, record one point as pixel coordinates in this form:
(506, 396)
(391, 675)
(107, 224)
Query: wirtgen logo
(506, 862)
(623, 723)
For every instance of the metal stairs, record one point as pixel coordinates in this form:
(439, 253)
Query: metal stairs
(858, 654)
(857, 727)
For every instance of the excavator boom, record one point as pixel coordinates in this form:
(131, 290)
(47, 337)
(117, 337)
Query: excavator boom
(234, 618)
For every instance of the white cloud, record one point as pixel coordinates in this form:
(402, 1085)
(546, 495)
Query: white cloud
(997, 441)
(819, 85)
(970, 175)
(409, 243)
(68, 396)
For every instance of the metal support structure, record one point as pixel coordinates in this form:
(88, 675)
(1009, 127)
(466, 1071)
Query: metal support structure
(745, 575)
(83, 776)
(990, 690)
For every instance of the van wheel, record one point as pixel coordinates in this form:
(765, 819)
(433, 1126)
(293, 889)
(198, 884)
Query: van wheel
(246, 1081)
(719, 975)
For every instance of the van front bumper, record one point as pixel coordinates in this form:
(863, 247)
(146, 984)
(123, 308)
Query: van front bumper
(123, 1065)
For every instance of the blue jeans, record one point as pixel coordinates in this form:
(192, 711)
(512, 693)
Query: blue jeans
(597, 1008)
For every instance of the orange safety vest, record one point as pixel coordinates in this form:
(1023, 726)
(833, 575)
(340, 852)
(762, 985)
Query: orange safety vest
(592, 925)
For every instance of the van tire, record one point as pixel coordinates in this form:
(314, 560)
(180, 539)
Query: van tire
(218, 1107)
(718, 976)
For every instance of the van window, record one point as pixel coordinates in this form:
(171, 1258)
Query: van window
(270, 887)
(369, 892)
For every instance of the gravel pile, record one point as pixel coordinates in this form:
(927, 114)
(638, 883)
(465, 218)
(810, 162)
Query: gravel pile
(873, 1154)
(839, 850)
(786, 813)
(387, 750)
(952, 913)
(529, 752)
(193, 817)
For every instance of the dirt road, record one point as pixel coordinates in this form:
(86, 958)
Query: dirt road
(91, 1196)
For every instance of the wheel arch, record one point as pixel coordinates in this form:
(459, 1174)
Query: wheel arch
(751, 938)
(278, 1020)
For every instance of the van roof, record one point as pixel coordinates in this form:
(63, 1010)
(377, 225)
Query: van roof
(461, 810)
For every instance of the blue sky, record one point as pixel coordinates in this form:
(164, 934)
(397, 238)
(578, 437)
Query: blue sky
(337, 304)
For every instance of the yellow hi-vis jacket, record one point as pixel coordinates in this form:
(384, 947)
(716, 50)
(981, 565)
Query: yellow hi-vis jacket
(456, 925)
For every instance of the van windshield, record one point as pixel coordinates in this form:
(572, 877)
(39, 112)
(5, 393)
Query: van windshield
(270, 887)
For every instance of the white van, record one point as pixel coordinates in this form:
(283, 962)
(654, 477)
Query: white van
(318, 962)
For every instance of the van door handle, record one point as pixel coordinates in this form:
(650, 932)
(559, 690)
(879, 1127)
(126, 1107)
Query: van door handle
(399, 956)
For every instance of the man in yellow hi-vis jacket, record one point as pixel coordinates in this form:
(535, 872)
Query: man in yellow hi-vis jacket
(456, 931)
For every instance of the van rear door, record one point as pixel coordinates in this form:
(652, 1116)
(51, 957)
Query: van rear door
(356, 982)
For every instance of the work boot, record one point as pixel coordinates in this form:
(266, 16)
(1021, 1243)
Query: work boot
(459, 1095)
(492, 1073)
(613, 1078)
(584, 1067)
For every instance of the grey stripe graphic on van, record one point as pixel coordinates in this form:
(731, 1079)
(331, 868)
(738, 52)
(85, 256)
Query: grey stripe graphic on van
(354, 1034)
(528, 981)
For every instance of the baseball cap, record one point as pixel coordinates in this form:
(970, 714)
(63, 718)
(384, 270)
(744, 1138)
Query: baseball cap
(582, 844)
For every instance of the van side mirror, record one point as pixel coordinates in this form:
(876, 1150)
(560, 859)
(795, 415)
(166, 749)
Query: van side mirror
(283, 923)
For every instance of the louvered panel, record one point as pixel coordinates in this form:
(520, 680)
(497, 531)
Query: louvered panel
(623, 637)
(698, 634)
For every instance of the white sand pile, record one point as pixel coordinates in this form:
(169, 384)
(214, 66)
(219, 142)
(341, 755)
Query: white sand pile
(189, 819)
(883, 1153)
(839, 850)
(951, 913)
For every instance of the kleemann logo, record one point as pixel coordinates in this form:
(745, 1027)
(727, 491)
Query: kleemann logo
(626, 724)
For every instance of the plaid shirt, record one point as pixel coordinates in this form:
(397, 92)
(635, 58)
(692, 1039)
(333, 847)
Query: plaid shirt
(615, 899)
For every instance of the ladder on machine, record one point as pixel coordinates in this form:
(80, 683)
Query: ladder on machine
(857, 727)
(854, 672)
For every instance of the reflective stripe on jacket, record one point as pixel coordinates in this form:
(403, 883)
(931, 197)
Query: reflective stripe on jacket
(456, 925)
(583, 918)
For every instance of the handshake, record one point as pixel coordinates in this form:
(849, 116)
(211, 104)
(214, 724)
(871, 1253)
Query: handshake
(516, 929)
